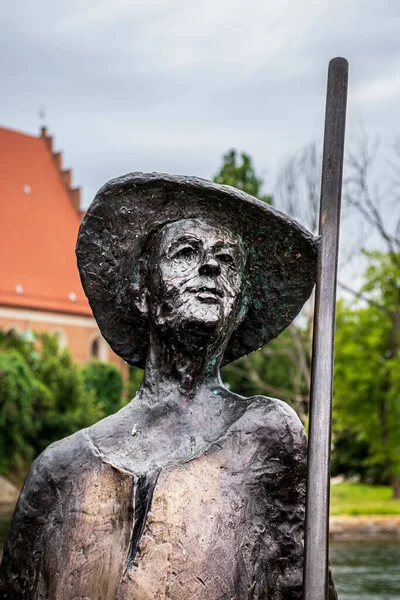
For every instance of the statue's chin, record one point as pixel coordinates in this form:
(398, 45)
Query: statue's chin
(202, 327)
(193, 319)
(198, 332)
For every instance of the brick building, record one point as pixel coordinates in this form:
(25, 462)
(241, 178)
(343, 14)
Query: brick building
(40, 213)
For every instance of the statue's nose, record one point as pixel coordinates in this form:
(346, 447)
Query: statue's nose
(210, 266)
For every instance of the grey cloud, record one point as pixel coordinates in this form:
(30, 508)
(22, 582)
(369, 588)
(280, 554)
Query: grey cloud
(171, 85)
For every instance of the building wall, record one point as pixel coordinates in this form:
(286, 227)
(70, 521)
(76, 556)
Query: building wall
(79, 333)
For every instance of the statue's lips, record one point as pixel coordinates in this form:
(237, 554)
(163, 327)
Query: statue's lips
(207, 294)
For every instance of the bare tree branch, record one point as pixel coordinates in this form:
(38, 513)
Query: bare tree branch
(366, 299)
(302, 354)
(251, 374)
(298, 187)
(368, 204)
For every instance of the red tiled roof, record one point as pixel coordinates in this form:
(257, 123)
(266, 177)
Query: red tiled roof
(38, 229)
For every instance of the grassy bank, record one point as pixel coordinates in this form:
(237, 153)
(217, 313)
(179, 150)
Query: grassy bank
(361, 499)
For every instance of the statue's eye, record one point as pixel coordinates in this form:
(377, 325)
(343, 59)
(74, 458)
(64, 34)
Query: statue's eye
(185, 252)
(225, 258)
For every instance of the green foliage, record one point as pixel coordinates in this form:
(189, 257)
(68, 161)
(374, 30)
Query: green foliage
(367, 370)
(42, 398)
(72, 408)
(362, 499)
(382, 280)
(134, 381)
(240, 173)
(105, 380)
(18, 392)
(351, 456)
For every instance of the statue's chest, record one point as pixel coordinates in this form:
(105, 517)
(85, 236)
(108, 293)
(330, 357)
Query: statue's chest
(194, 541)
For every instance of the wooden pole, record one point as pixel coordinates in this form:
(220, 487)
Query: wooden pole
(318, 468)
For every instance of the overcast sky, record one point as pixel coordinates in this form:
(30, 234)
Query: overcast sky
(170, 85)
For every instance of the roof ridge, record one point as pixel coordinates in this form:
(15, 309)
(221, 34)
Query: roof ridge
(22, 133)
(74, 193)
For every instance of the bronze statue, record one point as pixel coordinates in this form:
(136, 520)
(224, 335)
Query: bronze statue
(190, 491)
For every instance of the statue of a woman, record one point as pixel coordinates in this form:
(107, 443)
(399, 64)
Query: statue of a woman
(190, 491)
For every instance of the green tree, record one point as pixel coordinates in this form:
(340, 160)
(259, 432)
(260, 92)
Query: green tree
(42, 399)
(105, 380)
(72, 407)
(376, 201)
(19, 391)
(239, 172)
(367, 380)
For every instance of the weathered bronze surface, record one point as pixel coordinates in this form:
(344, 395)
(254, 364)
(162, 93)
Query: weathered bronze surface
(318, 476)
(190, 491)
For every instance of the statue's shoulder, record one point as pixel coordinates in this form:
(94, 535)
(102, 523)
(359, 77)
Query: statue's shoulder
(80, 448)
(63, 453)
(275, 420)
(57, 476)
(54, 468)
(265, 405)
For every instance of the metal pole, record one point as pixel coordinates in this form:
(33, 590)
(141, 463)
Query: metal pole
(318, 468)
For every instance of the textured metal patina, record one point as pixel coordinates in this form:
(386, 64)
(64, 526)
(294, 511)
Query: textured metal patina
(190, 492)
(281, 261)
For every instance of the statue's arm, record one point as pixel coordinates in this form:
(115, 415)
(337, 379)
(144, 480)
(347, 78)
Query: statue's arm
(21, 564)
(284, 466)
(71, 527)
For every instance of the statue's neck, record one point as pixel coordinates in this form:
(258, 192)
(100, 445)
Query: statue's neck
(180, 369)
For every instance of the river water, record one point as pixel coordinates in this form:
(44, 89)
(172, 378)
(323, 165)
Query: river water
(363, 570)
(366, 570)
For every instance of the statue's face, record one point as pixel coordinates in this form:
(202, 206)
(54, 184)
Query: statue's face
(195, 283)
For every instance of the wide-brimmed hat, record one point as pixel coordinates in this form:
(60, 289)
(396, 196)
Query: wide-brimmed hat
(281, 264)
